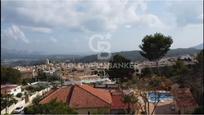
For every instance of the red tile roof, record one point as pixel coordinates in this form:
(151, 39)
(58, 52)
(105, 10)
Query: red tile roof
(117, 101)
(60, 95)
(8, 87)
(100, 93)
(81, 96)
(5, 89)
(84, 96)
(184, 98)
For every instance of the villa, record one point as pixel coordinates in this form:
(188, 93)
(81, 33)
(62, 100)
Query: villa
(86, 99)
(11, 89)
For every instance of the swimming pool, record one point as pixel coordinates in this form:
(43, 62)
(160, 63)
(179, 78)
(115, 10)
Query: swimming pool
(159, 96)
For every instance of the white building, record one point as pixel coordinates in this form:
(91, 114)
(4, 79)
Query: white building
(12, 89)
(47, 61)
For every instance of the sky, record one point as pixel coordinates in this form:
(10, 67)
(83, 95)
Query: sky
(88, 26)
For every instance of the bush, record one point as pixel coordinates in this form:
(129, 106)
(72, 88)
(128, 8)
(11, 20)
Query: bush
(34, 89)
(36, 100)
(199, 110)
(10, 75)
(52, 107)
(19, 95)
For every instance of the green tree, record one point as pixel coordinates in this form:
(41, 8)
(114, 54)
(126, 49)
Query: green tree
(180, 68)
(36, 100)
(19, 95)
(154, 47)
(53, 107)
(10, 75)
(7, 100)
(120, 69)
(200, 60)
(199, 110)
(130, 100)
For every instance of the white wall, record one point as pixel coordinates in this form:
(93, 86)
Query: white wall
(16, 90)
(22, 102)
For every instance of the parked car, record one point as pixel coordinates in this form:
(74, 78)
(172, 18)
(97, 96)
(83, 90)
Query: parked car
(18, 109)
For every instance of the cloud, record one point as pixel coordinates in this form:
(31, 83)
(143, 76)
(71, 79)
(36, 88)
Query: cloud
(37, 29)
(186, 12)
(15, 33)
(88, 16)
(53, 39)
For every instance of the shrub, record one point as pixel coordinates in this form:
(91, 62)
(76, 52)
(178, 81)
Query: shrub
(19, 95)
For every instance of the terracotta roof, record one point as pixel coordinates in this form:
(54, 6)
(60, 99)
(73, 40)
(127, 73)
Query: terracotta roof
(184, 98)
(60, 94)
(100, 93)
(84, 96)
(8, 86)
(81, 96)
(117, 103)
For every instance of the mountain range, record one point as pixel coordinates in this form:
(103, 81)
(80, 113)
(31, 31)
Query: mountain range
(135, 55)
(199, 46)
(132, 55)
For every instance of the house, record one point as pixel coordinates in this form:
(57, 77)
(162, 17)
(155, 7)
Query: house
(183, 99)
(86, 99)
(118, 106)
(12, 89)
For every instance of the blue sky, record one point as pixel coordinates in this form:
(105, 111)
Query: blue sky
(66, 26)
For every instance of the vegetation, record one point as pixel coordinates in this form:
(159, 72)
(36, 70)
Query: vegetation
(154, 47)
(135, 55)
(52, 107)
(199, 110)
(120, 69)
(36, 100)
(200, 59)
(196, 80)
(130, 100)
(35, 88)
(19, 95)
(10, 76)
(46, 77)
(7, 100)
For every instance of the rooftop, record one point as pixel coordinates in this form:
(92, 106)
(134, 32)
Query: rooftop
(184, 98)
(81, 96)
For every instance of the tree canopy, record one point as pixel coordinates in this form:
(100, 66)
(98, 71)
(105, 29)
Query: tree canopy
(155, 46)
(130, 100)
(120, 68)
(10, 75)
(200, 59)
(53, 107)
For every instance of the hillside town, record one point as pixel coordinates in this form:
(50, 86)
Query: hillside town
(87, 57)
(100, 93)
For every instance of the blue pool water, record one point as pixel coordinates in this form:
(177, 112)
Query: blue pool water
(159, 96)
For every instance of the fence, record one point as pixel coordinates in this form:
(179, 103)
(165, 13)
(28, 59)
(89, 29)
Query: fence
(23, 103)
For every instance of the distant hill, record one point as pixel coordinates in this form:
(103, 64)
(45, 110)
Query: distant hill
(132, 55)
(18, 54)
(200, 46)
(12, 53)
(135, 55)
(11, 57)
